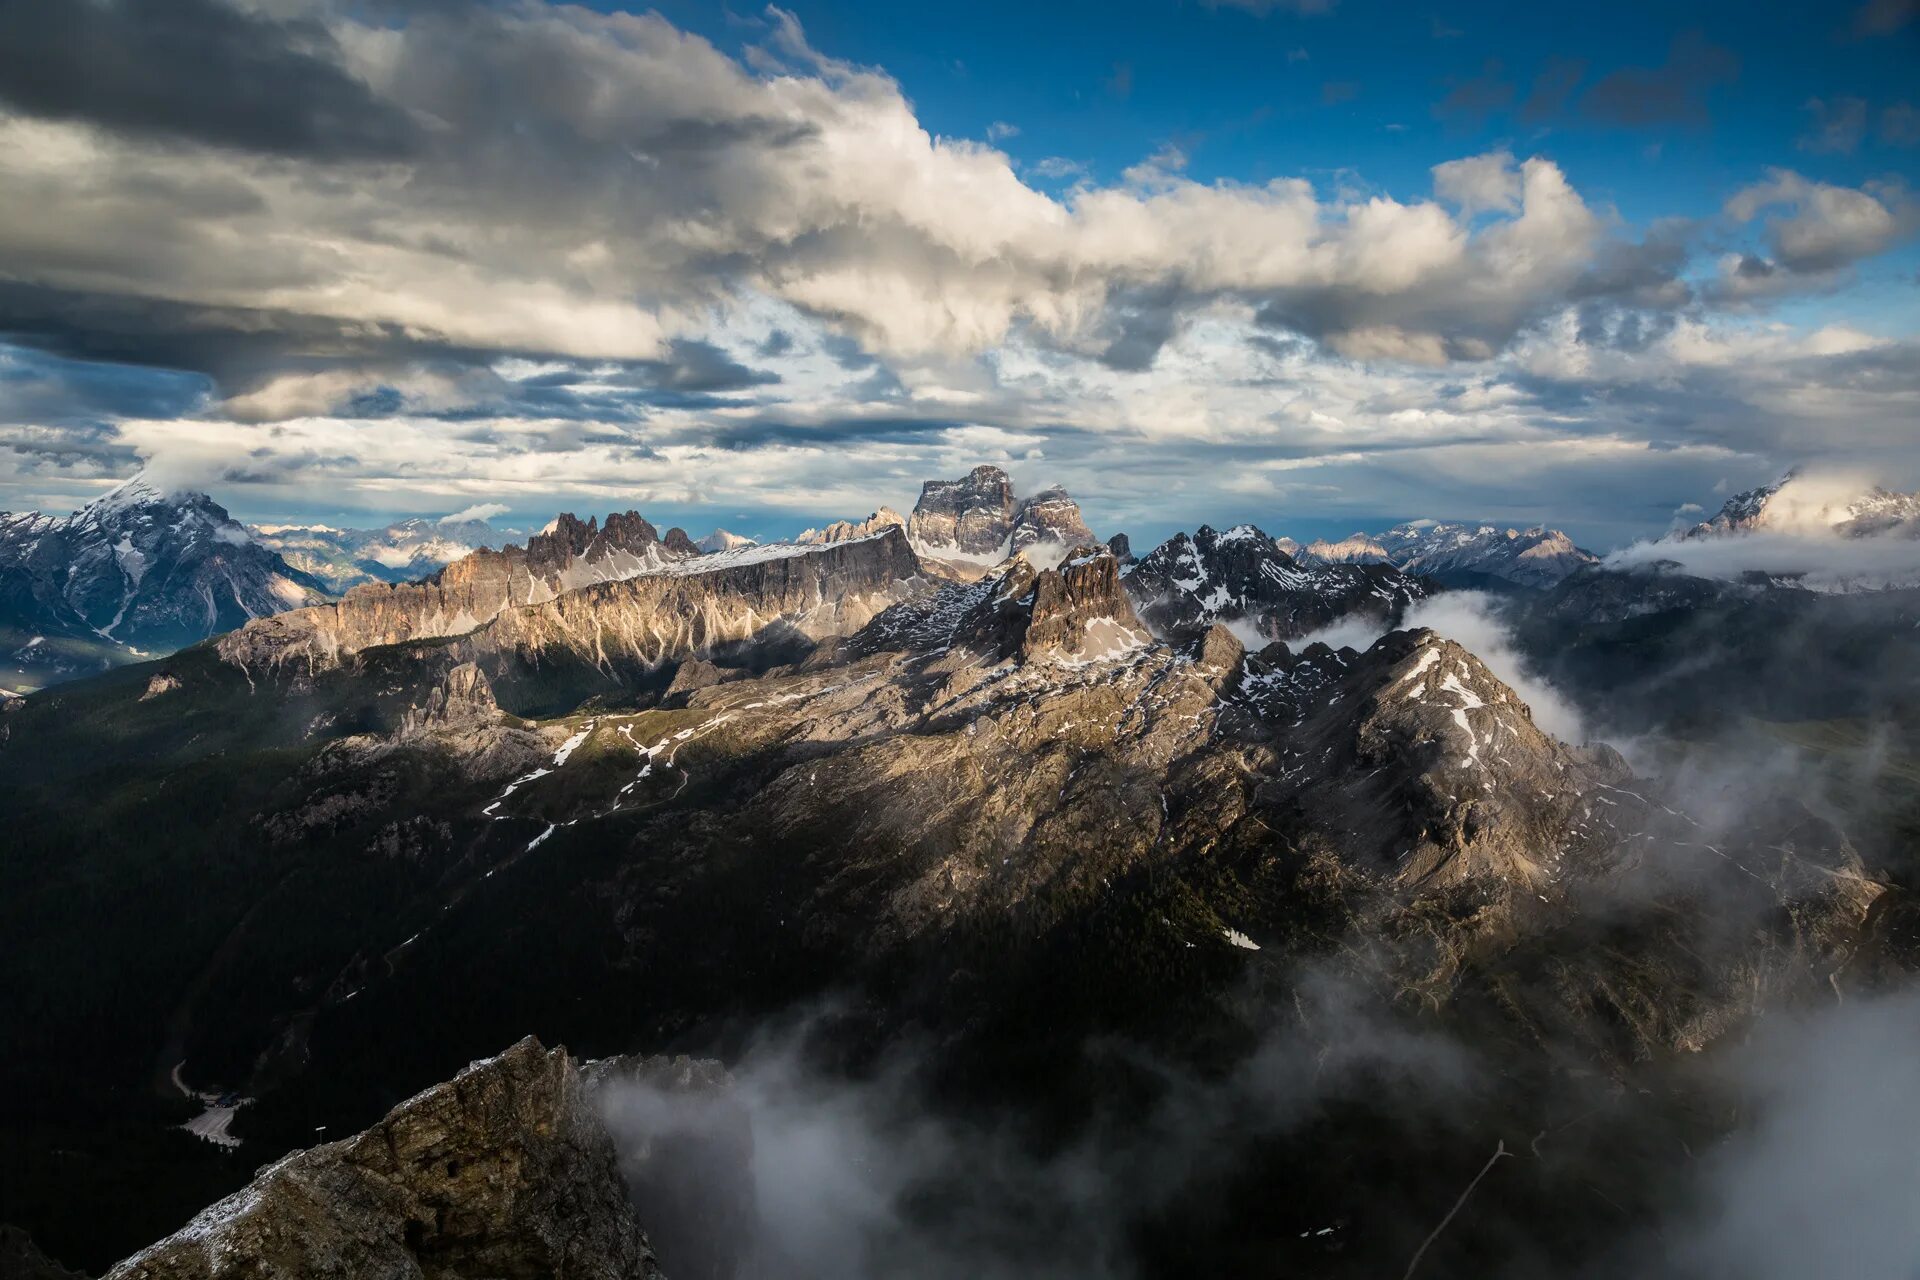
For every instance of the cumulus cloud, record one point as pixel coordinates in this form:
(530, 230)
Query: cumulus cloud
(1479, 184)
(1814, 227)
(598, 214)
(478, 511)
(681, 270)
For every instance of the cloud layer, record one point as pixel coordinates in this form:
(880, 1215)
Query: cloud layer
(539, 246)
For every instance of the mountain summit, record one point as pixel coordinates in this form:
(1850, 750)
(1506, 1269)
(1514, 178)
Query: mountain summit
(967, 526)
(1799, 503)
(139, 569)
(1192, 581)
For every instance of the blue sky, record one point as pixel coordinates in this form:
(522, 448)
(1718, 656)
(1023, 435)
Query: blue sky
(1362, 89)
(1322, 270)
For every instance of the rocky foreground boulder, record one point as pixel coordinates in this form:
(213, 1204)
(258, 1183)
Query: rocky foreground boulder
(505, 1172)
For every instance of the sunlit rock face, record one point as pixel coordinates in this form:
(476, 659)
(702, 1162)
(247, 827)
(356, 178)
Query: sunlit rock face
(851, 530)
(964, 527)
(612, 595)
(471, 591)
(506, 1170)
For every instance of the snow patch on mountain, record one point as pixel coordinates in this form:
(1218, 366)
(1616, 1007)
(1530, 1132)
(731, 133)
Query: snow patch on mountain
(1461, 554)
(721, 540)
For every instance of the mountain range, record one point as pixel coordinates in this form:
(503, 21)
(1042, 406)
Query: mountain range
(400, 552)
(1459, 555)
(65, 578)
(1106, 919)
(1802, 503)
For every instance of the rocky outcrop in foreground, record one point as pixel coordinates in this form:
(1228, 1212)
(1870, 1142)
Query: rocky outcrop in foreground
(505, 1172)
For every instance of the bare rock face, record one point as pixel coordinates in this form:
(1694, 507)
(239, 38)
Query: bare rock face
(969, 517)
(1189, 582)
(1075, 612)
(1219, 654)
(506, 1172)
(853, 530)
(692, 608)
(464, 698)
(1049, 516)
(656, 607)
(1432, 767)
(970, 525)
(466, 594)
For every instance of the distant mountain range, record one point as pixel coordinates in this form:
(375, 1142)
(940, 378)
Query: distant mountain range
(143, 571)
(404, 551)
(1459, 555)
(1800, 503)
(1188, 583)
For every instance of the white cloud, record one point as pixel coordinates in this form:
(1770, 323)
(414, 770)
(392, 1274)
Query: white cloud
(605, 213)
(478, 511)
(512, 306)
(1824, 226)
(1479, 184)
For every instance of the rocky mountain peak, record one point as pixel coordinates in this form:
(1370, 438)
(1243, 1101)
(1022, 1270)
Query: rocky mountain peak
(849, 530)
(1461, 555)
(970, 518)
(506, 1171)
(1430, 761)
(967, 526)
(1355, 548)
(463, 698)
(1803, 503)
(1052, 518)
(1076, 610)
(1191, 581)
(139, 569)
